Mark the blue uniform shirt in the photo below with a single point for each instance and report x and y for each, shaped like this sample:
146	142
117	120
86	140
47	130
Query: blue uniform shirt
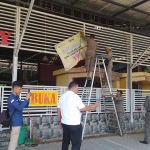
14	102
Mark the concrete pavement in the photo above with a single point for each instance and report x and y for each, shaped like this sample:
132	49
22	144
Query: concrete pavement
126	142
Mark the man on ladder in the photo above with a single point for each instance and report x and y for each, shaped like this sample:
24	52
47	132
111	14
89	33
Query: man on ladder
90	53
109	65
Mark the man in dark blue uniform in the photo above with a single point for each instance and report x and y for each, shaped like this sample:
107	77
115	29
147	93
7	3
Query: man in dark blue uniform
14	103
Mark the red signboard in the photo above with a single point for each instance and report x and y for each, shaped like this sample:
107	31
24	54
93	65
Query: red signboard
4	37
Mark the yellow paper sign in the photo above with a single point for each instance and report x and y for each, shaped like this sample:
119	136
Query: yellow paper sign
43	98
71	51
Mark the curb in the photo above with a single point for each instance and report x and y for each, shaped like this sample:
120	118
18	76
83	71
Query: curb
88	136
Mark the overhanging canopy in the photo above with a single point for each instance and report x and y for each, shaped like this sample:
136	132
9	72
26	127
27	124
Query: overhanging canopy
137	11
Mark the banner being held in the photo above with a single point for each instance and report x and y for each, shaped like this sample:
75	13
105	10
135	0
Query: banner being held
71	51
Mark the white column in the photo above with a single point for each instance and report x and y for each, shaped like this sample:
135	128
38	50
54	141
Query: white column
15	66
128	89
18	42
15	57
130	77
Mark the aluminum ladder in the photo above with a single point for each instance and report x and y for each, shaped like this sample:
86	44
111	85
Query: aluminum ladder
99	61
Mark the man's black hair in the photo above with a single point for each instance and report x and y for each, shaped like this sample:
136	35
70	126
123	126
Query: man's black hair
72	84
17	83
120	91
92	35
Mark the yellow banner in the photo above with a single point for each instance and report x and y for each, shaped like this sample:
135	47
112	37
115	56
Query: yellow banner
43	98
71	51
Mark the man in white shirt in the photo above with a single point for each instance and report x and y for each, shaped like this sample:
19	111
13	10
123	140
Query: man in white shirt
69	110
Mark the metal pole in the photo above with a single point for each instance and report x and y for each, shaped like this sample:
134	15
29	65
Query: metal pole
89	96
30	128
2	99
131	95
141	62
84	29
84	88
108	82
15	58
18	45
102	89
15	67
86	78
25	26
100	77
130	76
134	65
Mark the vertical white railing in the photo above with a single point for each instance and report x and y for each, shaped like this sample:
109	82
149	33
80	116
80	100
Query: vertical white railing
132	103
2	99
133	100
128	101
138	98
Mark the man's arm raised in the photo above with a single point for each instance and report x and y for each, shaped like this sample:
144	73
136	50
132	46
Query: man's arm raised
83	37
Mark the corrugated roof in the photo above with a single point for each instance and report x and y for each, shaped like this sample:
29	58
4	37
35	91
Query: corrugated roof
129	10
145	7
133	15
127	2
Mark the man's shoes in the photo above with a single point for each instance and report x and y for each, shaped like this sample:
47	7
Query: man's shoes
144	142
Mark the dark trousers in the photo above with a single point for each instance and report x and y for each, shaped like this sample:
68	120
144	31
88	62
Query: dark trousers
115	124
89	62
71	133
147	134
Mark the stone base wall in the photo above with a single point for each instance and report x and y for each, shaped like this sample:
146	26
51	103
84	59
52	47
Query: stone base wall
46	127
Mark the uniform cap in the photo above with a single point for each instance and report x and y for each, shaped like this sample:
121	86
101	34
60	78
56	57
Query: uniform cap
108	47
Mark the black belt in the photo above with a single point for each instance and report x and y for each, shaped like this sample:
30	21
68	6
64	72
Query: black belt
148	110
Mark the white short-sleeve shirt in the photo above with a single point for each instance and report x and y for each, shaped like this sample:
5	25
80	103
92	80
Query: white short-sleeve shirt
70	105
